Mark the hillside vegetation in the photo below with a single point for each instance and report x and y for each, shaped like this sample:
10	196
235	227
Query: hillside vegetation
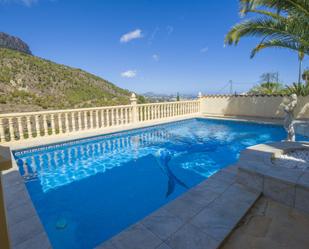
29	83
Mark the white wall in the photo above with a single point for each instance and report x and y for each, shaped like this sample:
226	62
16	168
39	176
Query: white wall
253	106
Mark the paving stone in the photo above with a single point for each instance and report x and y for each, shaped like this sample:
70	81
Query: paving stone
191	237
304	180
19	198
11	178
279	191
250	179
25	230
20	213
136	237
106	245
272	225
39	241
202	195
184	207
221	216
302	199
163	246
162	223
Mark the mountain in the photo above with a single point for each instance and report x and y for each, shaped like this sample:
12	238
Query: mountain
29	83
12	42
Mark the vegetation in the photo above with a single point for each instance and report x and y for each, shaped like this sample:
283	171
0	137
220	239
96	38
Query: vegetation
31	83
299	89
268	87
279	24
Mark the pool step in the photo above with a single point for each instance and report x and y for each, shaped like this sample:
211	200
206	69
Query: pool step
201	218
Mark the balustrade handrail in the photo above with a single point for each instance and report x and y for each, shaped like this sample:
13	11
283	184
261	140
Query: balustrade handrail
18	114
168	103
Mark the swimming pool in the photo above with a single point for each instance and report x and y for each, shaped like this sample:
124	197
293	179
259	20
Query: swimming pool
88	190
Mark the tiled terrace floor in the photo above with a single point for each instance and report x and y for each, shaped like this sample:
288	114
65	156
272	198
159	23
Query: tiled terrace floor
272	225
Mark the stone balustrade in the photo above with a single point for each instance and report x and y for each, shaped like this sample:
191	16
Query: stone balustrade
30	125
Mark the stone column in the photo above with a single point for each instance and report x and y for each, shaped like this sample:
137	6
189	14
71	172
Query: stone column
133	100
200	99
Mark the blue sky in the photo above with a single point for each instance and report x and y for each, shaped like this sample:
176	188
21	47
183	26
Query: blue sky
163	46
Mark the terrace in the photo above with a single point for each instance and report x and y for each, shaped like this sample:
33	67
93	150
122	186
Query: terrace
215	213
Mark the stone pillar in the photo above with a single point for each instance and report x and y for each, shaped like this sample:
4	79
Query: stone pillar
133	100
200	99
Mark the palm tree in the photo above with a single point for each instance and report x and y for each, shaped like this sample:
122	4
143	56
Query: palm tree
279	24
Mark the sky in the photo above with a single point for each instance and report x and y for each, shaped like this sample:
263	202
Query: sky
161	46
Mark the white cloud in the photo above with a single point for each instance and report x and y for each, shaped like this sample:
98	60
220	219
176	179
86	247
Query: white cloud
204	50
156	57
135	34
129	74
25	2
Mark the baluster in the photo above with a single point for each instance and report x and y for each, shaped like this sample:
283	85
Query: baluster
63	126
112	117
107	118
102	123
29	128
148	107
79	121
91	120
121	116
52	121
2	133
45	127
125	115
11	129
73	118
37	125
67	123
20	128
97	119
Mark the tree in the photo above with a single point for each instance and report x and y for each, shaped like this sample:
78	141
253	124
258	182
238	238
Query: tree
178	97
279	24
269	77
267	88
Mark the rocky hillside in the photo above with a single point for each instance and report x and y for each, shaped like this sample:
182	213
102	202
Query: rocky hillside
12	42
29	83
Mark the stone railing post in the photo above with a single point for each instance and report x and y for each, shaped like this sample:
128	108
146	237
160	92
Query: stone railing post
133	100
200	99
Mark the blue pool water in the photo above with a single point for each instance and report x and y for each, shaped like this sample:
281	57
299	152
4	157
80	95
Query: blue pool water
88	190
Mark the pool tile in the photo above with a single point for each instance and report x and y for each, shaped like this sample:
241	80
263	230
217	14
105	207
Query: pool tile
162	223
136	237
191	237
